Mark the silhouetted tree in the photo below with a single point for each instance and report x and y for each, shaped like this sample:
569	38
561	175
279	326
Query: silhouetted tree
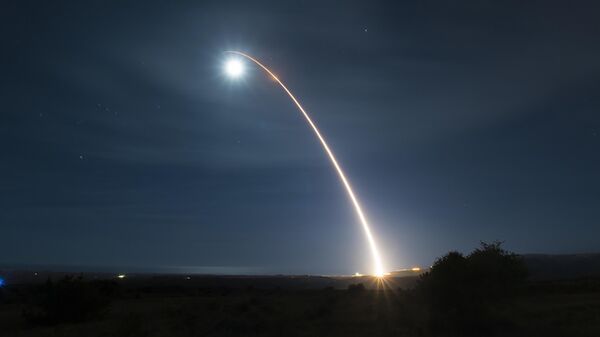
458	291
495	273
444	285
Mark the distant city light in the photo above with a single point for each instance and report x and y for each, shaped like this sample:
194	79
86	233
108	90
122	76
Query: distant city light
415	269
121	276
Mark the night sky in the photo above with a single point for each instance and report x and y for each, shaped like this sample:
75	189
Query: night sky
122	143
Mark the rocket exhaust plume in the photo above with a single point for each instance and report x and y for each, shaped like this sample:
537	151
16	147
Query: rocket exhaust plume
355	203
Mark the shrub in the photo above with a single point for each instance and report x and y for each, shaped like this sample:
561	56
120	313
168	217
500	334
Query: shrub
494	272
356	288
459	291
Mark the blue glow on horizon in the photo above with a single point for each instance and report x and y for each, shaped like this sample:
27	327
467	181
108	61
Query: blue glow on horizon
1	282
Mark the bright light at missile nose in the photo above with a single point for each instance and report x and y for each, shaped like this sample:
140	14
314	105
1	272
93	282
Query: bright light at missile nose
234	68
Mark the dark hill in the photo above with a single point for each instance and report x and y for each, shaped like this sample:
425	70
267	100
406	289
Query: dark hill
568	266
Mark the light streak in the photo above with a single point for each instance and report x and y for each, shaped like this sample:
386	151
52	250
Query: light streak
363	220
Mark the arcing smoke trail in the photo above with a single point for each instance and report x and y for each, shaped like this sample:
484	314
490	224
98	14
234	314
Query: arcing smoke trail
359	212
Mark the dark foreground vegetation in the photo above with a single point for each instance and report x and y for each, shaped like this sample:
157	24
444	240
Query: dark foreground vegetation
485	293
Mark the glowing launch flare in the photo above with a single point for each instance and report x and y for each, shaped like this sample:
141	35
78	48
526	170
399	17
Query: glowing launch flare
234	68
359	212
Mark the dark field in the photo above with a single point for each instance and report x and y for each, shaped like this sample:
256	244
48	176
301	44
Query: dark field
489	292
285	306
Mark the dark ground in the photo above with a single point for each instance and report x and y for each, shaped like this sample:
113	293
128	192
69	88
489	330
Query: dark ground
299	306
560	296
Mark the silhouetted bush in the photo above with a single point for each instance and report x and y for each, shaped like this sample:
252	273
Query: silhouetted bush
70	299
459	292
356	288
494	272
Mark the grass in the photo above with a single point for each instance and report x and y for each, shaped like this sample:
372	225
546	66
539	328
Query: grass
328	312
